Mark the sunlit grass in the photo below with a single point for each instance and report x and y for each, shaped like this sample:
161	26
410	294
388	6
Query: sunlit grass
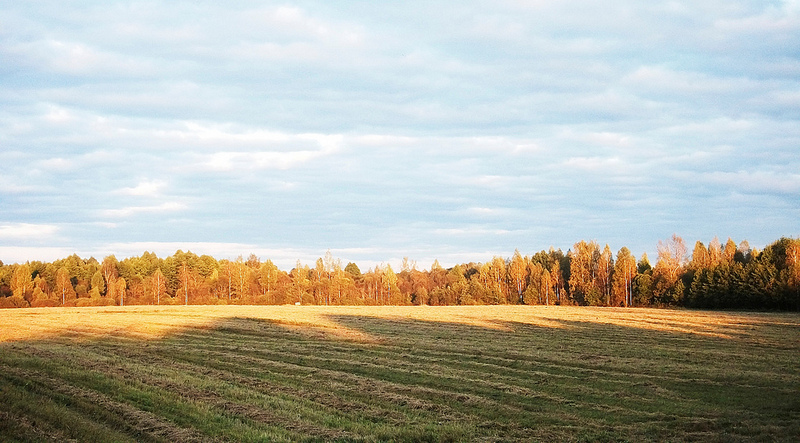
289	373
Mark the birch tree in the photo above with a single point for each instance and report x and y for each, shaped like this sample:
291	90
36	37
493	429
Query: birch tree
157	286
624	273
64	285
517	272
605	268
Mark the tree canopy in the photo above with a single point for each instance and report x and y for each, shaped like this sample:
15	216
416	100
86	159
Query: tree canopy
713	276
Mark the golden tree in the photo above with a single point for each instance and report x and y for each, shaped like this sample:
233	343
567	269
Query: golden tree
517	273
157	286
700	257
605	269
64	285
670	263
583	269
21	282
624	273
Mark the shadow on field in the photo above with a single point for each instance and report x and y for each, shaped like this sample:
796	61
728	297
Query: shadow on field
338	375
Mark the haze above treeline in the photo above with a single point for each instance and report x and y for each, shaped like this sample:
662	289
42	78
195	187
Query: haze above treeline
719	275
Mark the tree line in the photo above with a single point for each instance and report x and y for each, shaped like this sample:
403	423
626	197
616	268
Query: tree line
713	276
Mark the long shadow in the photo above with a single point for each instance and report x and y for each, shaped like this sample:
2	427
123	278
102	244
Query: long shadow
398	379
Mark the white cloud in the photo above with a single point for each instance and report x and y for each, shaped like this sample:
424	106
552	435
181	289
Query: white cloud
297	22
57	164
23	254
27	231
470	231
488	212
596	164
8	185
662	80
755	181
134	210
771	20
76	58
248	161
146	188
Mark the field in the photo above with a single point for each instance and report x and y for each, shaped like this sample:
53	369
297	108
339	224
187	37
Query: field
493	373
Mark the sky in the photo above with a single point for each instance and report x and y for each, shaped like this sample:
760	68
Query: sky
455	131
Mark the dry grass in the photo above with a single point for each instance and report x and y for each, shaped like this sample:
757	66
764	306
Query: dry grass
288	373
154	322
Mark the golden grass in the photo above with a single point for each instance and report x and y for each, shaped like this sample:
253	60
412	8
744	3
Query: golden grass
155	322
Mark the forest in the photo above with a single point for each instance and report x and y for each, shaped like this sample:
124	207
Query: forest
716	276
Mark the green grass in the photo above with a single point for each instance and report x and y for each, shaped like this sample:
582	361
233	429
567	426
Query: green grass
254	379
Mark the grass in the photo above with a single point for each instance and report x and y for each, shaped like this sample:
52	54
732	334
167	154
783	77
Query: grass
303	373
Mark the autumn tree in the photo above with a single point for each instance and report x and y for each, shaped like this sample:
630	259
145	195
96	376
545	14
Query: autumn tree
456	290
342	285
64	287
557	280
499	282
110	272
517	272
393	295
671	258
253	262
187	281
39	296
793	269
547	285
583	271
120	288
318	280
490	281
353	270
531	295
242	277
267	277
744	253
605	269
714	252
157	285
700	257
729	253
22	284
299	281
624	273
225	278
98	285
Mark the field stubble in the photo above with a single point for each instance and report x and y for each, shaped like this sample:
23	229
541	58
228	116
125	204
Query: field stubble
491	373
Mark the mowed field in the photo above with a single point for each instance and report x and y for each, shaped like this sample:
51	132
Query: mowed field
307	373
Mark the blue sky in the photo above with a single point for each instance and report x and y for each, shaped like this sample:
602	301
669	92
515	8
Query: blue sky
434	130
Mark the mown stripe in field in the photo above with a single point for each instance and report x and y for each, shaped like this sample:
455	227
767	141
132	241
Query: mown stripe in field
146	397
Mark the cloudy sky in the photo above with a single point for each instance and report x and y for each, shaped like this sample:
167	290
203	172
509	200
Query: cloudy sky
378	130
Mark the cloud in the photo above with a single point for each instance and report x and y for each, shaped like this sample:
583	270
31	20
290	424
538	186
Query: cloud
10	186
760	182
135	210
57	164
27	231
23	254
146	188
76	58
470	231
390	131
662	80
595	164
247	161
